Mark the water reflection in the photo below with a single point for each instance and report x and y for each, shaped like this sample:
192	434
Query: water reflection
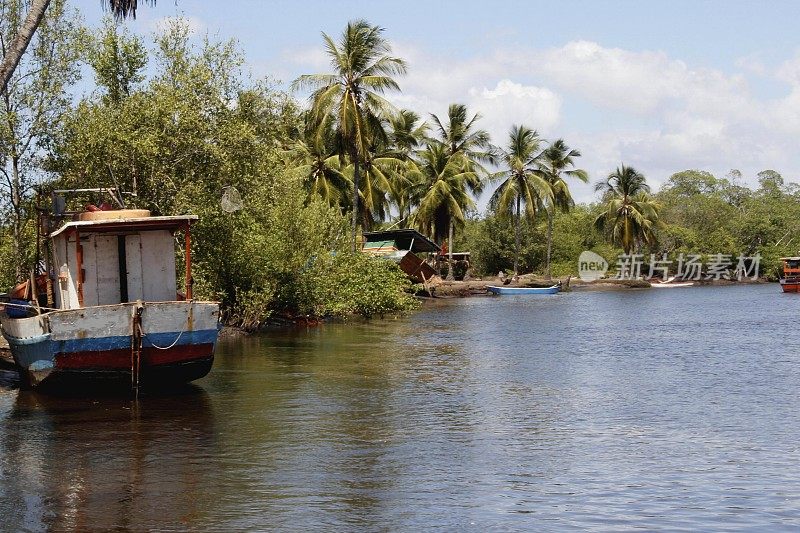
593	411
103	463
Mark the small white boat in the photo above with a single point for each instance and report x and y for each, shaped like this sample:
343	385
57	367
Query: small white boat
670	283
518	291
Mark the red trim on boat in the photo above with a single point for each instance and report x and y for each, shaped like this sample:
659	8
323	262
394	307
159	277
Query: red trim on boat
121	359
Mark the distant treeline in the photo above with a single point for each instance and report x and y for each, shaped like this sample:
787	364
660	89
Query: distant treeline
180	123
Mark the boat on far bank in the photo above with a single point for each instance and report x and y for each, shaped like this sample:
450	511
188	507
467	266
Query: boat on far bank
790	280
670	284
520	291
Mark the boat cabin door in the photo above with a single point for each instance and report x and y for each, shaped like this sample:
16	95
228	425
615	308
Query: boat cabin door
149	266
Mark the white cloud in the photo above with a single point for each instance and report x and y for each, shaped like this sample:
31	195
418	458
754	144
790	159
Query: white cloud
645	108
752	63
513	103
196	25
313	58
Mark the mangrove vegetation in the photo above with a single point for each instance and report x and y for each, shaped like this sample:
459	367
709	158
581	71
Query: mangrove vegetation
180	124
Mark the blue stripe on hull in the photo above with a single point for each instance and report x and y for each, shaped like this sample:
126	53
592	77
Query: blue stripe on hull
120	342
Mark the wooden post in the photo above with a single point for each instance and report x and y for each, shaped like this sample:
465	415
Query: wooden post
188	251
79	259
136	348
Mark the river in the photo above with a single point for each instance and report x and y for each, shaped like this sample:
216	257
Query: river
671	408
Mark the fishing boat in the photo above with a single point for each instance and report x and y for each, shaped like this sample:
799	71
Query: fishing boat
670	283
790	280
105	306
519	291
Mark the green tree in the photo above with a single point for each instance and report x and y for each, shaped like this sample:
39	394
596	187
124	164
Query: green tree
557	162
362	71
26	28
315	158
406	133
630	214
197	126
770	183
118	60
193	129
492	244
459	134
31	112
381	166
522	186
442	188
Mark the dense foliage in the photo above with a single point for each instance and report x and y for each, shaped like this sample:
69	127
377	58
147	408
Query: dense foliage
182	136
698	214
181	125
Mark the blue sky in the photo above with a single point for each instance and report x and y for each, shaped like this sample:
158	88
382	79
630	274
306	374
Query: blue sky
661	86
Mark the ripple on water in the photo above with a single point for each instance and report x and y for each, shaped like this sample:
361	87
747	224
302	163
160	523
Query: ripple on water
601	411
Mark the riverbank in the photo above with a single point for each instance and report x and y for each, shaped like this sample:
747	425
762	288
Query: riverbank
479	287
442	289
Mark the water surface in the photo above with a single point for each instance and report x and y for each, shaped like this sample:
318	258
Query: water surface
674	409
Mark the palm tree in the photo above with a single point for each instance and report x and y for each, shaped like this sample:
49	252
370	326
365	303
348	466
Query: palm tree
522	186
630	214
458	134
379	167
406	134
554	166
362	72
316	159
13	54
441	185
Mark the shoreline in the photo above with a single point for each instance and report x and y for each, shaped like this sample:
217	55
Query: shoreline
442	290
478	287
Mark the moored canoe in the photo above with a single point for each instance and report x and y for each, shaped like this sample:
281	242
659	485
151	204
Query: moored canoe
519	291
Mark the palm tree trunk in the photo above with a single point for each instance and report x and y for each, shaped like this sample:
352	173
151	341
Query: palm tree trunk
517	238
549	240
356	180
450	276
16	49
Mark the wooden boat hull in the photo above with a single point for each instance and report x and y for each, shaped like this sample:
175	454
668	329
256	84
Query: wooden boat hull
790	285
520	291
95	344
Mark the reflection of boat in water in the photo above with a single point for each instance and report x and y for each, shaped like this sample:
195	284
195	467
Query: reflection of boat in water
670	283
106	307
790	280
106	462
519	291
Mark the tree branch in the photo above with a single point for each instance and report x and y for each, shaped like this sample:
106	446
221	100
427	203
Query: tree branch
21	41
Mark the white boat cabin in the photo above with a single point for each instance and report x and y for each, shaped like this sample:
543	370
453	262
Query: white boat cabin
114	260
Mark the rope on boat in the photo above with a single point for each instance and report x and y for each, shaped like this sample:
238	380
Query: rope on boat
31	306
154	345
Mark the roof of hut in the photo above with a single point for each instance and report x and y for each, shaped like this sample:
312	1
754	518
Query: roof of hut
404	239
